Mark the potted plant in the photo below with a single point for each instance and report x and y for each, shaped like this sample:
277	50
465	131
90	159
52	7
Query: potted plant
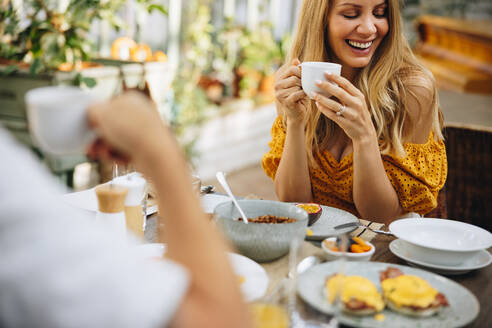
260	57
46	43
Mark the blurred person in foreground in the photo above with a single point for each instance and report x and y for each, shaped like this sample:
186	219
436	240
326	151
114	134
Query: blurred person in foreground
59	269
375	148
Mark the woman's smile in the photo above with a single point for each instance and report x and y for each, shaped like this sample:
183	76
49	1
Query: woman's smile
356	30
362	48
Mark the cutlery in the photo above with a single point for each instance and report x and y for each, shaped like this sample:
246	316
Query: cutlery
358	224
207	189
222	180
305	264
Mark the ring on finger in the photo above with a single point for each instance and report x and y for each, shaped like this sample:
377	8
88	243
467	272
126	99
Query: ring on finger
342	109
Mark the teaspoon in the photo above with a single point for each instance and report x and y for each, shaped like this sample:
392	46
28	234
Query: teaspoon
222	180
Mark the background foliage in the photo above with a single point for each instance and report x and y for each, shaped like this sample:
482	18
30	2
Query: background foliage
48	33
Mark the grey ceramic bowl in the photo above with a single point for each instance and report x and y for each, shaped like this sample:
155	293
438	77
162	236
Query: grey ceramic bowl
261	242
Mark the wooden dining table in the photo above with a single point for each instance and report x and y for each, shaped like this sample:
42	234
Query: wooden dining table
479	282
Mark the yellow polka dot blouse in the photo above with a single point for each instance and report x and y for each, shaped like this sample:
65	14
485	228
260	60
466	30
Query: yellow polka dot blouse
417	178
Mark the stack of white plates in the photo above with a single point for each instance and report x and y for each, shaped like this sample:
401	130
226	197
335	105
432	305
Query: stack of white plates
443	246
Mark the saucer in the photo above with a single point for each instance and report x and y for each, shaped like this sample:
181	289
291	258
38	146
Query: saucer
481	260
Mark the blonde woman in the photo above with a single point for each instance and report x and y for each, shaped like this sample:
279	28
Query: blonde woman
375	148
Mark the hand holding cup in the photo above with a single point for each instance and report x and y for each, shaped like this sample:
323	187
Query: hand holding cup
290	99
314	71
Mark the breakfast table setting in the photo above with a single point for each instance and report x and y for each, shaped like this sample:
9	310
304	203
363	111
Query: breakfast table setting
297	264
474	277
292	275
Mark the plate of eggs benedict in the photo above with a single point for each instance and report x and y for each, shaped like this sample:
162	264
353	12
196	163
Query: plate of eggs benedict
409	294
373	294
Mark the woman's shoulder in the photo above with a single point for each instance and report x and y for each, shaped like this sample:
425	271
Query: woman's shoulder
419	95
420	100
416	76
418	89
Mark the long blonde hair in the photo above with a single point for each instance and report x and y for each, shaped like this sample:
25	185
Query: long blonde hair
384	83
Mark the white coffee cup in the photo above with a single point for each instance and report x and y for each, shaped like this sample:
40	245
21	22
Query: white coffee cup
312	71
57	119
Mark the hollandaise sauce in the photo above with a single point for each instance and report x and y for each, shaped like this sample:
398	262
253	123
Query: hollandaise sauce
409	290
379	317
356	287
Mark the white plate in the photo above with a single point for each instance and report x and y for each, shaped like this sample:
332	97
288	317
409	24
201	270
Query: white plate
255	277
441	234
463	307
331	217
481	260
87	200
152	250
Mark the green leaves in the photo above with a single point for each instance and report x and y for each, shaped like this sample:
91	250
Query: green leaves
9	70
36	66
53	34
150	6
260	51
80	80
88	81
159	8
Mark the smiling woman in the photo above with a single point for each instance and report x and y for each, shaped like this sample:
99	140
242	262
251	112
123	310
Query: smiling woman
355	31
375	148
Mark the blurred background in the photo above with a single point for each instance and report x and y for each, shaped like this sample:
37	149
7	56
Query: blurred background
209	66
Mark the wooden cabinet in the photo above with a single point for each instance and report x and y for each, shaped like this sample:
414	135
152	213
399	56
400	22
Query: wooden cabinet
458	52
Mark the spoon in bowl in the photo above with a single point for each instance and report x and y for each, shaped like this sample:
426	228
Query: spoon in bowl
222	180
307	262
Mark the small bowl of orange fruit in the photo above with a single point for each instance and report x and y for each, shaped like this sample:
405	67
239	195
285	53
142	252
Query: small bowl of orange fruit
357	249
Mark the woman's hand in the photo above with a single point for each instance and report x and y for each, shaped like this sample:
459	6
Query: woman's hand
289	94
350	112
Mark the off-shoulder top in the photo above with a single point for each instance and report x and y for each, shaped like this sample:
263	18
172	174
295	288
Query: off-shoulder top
417	178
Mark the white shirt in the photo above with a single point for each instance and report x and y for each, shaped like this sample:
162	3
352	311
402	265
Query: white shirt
59	269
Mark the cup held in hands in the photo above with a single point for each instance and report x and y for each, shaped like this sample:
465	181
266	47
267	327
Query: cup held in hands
57	119
312	71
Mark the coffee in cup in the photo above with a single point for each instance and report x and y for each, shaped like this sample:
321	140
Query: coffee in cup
57	119
312	71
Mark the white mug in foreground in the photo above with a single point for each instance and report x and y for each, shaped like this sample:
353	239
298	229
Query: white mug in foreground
312	71
57	119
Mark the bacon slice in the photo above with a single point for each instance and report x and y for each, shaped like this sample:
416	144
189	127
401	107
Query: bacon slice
441	300
357	305
390	273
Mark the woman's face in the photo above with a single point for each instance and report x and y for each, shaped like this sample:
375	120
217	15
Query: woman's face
356	28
